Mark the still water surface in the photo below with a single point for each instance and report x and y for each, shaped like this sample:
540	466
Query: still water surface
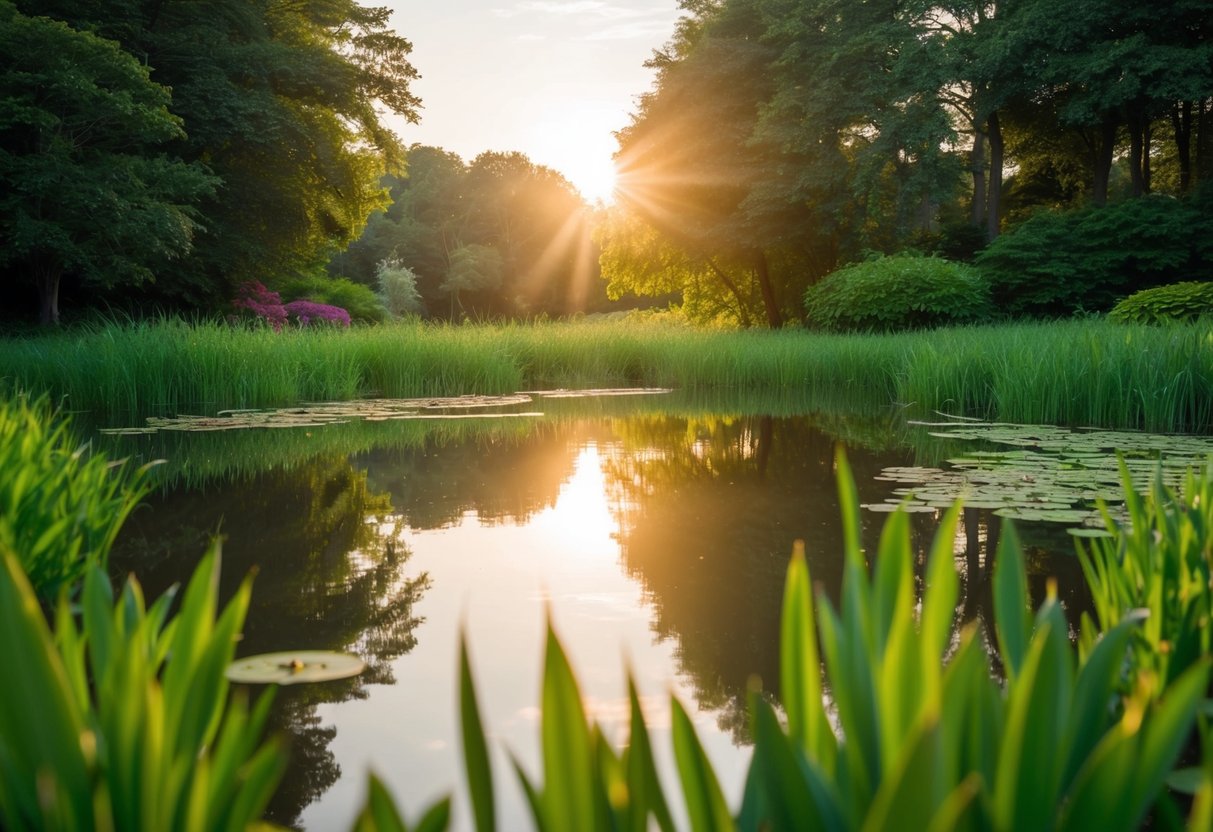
655	541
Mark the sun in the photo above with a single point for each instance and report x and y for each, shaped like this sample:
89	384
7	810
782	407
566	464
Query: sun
594	178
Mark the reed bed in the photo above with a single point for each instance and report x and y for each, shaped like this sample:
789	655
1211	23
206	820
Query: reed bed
1088	372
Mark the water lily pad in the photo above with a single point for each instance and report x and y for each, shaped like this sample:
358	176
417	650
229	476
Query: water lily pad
294	667
1090	532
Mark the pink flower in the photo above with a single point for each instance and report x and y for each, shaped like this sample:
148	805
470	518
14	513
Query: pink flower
306	311
263	303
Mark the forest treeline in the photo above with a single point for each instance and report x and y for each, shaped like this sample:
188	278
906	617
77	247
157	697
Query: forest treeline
784	138
160	154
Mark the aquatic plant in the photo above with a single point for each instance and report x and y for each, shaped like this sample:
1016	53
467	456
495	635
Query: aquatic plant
60	504
121	719
1159	560
1090	372
906	728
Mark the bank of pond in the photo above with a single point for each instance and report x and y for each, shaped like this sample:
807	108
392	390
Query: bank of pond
576	610
1078	373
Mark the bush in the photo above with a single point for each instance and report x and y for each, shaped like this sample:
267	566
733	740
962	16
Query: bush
901	292
1178	302
398	288
1062	263
360	301
60	506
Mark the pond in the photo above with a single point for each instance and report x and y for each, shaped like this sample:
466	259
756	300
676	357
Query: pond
652	530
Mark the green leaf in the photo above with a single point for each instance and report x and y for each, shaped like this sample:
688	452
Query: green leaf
706	806
800	666
1011	618
644	786
475	749
568	760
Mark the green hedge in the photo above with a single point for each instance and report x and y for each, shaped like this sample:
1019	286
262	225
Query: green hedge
1184	302
897	293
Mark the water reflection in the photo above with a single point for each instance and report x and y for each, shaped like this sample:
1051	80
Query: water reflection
659	539
331	574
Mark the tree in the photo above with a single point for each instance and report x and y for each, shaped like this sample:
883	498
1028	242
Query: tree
278	99
88	186
398	288
686	162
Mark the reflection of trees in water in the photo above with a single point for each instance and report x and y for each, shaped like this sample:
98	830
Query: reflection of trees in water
709	511
330	575
501	478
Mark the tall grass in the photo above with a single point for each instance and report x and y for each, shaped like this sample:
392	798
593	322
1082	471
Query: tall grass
1076	372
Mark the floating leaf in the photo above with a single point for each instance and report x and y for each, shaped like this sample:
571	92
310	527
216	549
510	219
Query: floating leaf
294	667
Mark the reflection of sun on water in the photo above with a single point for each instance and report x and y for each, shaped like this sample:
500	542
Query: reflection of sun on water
581	518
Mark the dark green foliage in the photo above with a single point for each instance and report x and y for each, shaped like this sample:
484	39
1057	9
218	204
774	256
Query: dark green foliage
1185	301
1061	263
88	188
360	301
897	293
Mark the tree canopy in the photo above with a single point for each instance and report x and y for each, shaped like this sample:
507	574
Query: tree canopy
277	101
784	138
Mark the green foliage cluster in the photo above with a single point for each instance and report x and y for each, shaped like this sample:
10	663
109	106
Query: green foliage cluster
363	304
1159	561
898	293
499	237
243	141
1185	301
121	719
60	504
398	288
784	137
1061	263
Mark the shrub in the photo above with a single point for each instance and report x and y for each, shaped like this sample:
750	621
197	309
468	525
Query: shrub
262	303
1061	263
901	292
60	505
307	312
398	288
1164	304
360	301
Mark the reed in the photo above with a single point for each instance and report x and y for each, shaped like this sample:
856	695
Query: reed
1087	372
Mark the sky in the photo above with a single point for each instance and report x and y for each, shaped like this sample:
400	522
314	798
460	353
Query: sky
550	78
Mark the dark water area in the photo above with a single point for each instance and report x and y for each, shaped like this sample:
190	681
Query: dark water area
655	539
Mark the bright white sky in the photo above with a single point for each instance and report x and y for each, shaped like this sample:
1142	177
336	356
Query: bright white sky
550	78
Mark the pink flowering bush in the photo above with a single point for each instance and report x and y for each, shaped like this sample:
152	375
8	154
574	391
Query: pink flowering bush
306	312
263	303
268	306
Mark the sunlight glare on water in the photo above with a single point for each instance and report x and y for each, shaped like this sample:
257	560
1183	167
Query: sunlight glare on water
498	582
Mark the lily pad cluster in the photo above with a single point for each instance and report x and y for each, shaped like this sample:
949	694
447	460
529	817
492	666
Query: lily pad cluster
1041	473
319	414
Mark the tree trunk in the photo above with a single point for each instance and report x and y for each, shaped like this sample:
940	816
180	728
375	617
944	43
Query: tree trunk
763	273
1181	121
1147	139
977	164
743	314
1103	162
994	197
47	278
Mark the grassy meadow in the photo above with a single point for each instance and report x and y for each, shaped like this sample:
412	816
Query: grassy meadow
1085	372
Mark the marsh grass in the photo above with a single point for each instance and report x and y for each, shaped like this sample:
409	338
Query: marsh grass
1088	372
